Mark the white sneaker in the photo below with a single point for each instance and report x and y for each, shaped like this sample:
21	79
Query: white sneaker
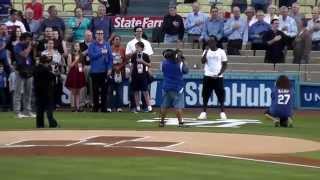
20	116
223	116
138	108
202	116
119	110
109	110
149	108
32	115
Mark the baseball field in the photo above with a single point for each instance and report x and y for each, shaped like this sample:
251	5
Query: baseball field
132	146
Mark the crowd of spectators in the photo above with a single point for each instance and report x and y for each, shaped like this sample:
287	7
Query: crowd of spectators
96	66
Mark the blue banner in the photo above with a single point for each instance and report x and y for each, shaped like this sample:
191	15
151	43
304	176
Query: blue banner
310	95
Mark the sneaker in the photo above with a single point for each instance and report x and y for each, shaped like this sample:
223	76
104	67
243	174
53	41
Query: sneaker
138	109
162	123
275	120
223	116
31	115
276	123
202	116
150	108
20	116
119	110
109	110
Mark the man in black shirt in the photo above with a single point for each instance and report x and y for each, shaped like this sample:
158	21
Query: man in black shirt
275	41
44	81
173	27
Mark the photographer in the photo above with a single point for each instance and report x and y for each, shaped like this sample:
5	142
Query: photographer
24	66
173	68
44	82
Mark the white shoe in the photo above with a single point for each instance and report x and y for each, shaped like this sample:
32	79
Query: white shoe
138	108
20	116
109	110
149	108
119	110
223	116
202	116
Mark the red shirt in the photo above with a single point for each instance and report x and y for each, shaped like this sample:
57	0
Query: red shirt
37	9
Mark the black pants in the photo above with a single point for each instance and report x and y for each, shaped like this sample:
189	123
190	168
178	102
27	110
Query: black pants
99	88
234	47
45	104
210	84
58	91
3	98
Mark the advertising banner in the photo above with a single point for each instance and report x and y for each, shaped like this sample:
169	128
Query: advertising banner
310	95
132	21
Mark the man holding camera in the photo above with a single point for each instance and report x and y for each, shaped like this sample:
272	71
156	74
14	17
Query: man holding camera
173	68
44	86
24	68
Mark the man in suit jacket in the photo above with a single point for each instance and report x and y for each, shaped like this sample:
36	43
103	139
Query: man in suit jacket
302	45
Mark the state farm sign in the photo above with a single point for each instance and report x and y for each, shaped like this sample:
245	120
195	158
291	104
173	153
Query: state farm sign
132	21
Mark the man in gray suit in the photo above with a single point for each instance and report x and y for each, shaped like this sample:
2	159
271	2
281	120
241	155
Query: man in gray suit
302	44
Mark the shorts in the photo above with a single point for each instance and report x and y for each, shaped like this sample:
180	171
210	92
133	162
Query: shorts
172	99
139	84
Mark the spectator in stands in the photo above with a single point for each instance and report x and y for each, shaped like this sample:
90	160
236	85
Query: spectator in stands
213	27
173	27
86	93
85	5
302	44
194	23
53	21
4	37
3	87
296	15
76	77
131	48
58	69
236	30
275	41
78	24
33	24
241	4
37	8
251	15
257	30
140	67
100	54
112	6
13	22
260	4
24	80
104	22
13	41
286	3
59	43
5	6
288	26
215	64
314	28
42	44
271	14
118	74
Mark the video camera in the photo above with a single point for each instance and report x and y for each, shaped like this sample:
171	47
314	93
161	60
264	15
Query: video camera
175	55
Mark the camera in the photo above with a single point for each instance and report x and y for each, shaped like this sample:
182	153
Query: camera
175	55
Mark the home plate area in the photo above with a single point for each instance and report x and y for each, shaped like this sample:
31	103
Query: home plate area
93	146
191	122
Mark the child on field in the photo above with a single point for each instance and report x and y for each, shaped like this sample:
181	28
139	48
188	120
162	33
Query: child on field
281	108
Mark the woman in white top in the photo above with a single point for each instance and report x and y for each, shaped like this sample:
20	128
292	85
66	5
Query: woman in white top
215	64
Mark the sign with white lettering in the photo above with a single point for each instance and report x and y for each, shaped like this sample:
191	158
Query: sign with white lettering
132	21
310	95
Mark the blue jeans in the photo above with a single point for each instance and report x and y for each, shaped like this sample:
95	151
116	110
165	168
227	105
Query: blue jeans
172	99
170	38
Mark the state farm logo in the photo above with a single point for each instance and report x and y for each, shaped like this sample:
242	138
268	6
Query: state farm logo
132	21
191	122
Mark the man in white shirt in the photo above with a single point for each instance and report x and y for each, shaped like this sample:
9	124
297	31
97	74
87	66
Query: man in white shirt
215	64
13	22
131	48
288	25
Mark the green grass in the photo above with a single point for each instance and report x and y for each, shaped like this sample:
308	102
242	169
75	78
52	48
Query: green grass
188	168
191	168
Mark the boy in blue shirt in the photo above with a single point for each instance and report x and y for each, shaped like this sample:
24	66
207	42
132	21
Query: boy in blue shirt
173	68
281	108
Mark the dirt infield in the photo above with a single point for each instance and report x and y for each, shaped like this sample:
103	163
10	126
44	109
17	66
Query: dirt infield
148	143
